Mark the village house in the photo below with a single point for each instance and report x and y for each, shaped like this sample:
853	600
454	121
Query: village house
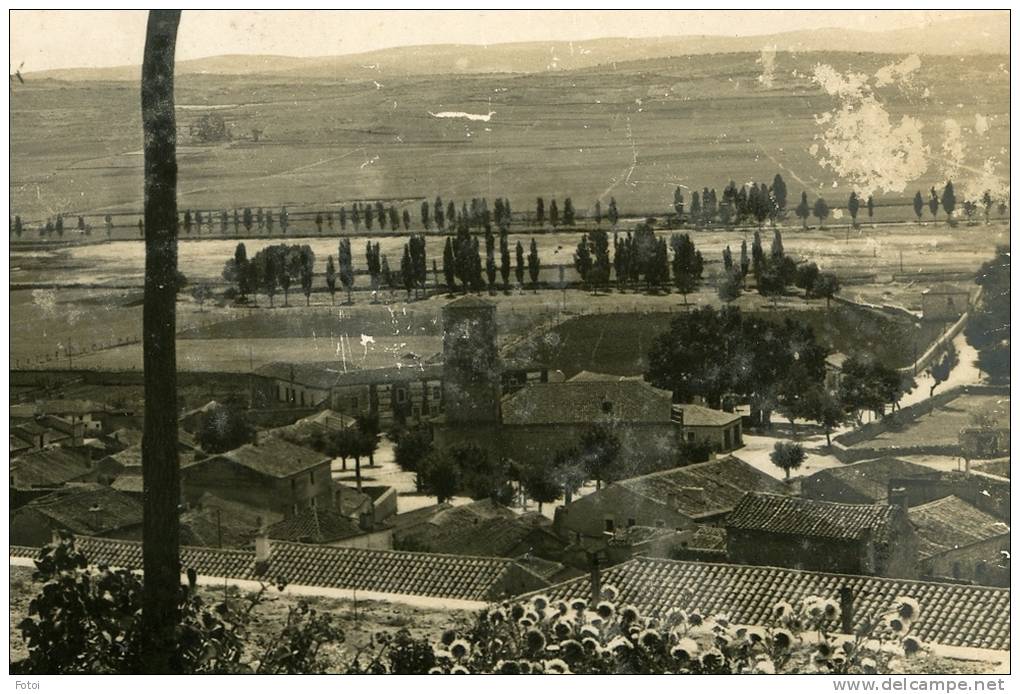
327	526
404	393
49	468
721	431
482	528
945	302
676	499
957	616
865	539
834	371
544	415
272	474
860	483
958	542
91	415
82	509
988	493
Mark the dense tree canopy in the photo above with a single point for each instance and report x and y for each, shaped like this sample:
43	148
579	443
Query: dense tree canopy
713	354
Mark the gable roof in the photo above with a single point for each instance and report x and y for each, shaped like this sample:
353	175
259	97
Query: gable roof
583	402
273	457
476	579
698	416
318	525
89	509
951	523
786	515
704	489
481	528
870	478
48	467
950	615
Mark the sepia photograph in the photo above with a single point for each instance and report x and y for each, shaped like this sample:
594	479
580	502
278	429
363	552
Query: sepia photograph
509	342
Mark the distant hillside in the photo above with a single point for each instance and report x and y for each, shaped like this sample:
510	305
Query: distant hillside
971	35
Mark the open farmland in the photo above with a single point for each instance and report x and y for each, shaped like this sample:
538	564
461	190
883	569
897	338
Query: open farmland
850	253
634	131
618	343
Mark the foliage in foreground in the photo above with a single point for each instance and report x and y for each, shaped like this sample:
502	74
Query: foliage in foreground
87	620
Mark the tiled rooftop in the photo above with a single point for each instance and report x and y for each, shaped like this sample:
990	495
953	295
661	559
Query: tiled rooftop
480	528
384	571
787	515
88	508
48	467
950	615
273	457
698	416
587	401
871	478
315	525
951	523
703	489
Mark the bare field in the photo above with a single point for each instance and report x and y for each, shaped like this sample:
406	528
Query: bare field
633	130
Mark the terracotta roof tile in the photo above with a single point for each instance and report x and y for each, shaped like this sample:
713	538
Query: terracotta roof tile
950	615
703	489
587	402
272	456
403	573
871	478
787	515
951	523
698	416
48	467
88	508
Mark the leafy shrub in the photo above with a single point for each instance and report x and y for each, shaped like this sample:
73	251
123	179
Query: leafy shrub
88	621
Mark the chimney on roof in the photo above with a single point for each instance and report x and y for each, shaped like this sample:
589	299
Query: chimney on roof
846	609
596	579
263	549
898	497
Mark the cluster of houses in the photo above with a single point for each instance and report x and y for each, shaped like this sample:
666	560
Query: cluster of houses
272	506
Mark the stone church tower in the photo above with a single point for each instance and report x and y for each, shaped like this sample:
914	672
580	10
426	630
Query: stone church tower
471	366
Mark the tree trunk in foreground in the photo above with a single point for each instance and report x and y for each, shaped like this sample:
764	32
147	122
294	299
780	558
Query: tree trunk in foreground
160	473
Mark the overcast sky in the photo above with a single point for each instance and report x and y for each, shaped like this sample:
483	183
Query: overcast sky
58	39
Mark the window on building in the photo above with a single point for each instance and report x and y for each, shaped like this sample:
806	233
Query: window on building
302	398
437	393
311	476
607	407
660	524
293	484
956	569
631	522
311	502
690	436
610	525
401	396
354	404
